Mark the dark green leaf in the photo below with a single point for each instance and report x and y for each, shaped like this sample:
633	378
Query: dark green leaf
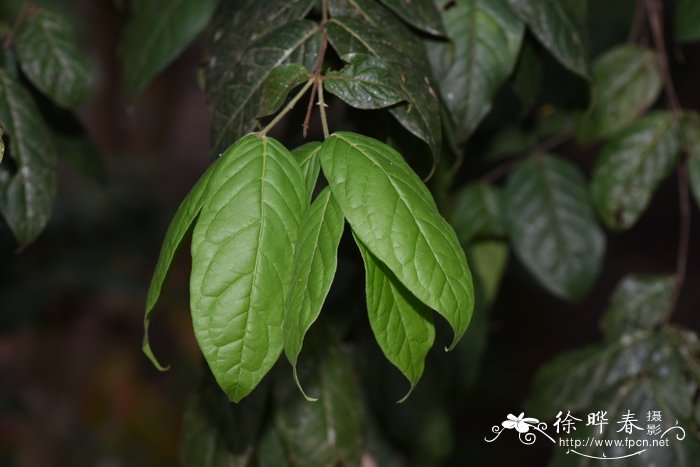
279	82
527	79
420	116
631	166
179	226
217	433
315	261
485	38
327	432
239	104
157	33
393	214
560	26
307	157
639	302
402	325
423	14
691	146
366	83
478	213
242	261
626	82
47	48
552	226
488	260
687	21
27	195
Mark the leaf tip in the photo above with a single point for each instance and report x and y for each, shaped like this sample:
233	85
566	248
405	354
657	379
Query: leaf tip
408	394
298	383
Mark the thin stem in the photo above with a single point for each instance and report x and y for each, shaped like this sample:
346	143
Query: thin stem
290	105
317	75
499	171
21	16
554	141
322	110
637	23
310	107
656	16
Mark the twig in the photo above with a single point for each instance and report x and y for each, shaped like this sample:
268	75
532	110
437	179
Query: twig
21	16
499	171
554	141
637	23
318	78
290	105
322	110
655	10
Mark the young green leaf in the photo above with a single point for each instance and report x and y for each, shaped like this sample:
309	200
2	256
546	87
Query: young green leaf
242	260
393	214
560	27
687	21
27	195
315	261
402	325
485	38
238	108
691	146
422	14
631	166
365	83
307	158
157	33
181	223
478	213
552	225
626	82
48	52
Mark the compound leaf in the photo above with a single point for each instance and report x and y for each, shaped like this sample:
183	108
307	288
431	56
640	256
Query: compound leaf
242	261
393	214
552	225
47	47
26	195
157	33
631	166
315	261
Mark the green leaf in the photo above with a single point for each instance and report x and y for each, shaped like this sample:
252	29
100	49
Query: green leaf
393	214
365	83
560	26
178	228
236	25
327	432
307	157
26	195
631	166
638	302
402	325
488	261
238	108
552	226
687	21
691	146
217	433
626	82
421	14
242	260
485	38
278	84
157	33
527	78
478	213
48	52
315	261
420	116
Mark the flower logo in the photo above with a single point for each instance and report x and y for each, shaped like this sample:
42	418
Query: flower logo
520	423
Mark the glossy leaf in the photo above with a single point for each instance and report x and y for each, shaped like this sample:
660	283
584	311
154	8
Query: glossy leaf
402	325
560	26
178	228
48	52
327	432
157	33
26	195
242	257
393	214
552	226
478	213
485	38
687	21
365	83
306	156
631	166
691	146
638	302
315	261
239	105
422	14
420	116
279	82
626	82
